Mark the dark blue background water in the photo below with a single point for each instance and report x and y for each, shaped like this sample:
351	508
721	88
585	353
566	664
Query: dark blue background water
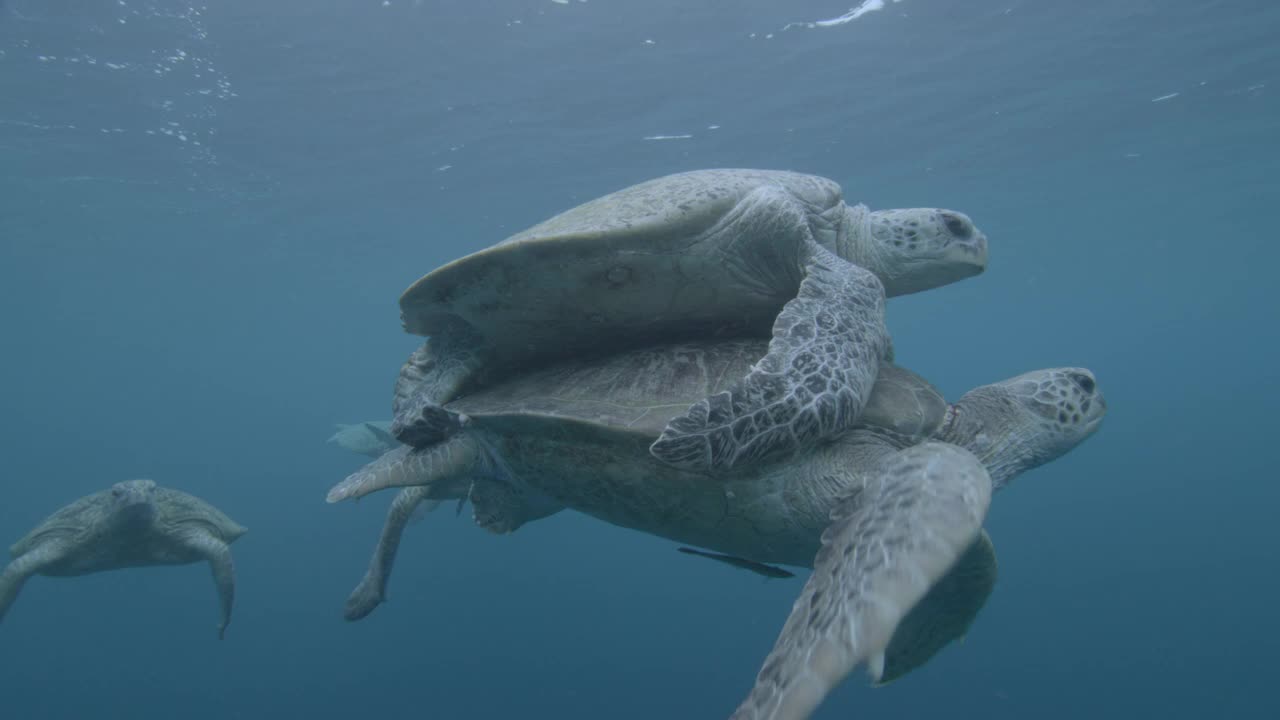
208	213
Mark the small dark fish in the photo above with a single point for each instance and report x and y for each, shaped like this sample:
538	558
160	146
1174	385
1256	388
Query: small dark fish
755	567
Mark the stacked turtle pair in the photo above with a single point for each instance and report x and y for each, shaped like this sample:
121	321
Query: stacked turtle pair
704	357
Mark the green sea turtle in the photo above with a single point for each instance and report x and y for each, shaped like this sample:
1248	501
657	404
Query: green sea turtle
131	524
910	484
708	253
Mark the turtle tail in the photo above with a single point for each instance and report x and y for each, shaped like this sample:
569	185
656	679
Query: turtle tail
457	457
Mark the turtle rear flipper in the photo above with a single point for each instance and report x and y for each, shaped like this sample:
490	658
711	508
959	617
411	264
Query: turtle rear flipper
828	343
887	545
456	457
503	507
432	376
372	590
500	507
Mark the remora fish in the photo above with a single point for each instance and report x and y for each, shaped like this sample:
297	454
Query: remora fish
753	566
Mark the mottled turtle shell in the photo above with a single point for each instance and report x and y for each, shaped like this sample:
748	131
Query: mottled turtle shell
526	290
634	394
179	508
173	508
67	522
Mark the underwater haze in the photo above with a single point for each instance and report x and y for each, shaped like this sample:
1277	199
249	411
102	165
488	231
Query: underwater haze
208	213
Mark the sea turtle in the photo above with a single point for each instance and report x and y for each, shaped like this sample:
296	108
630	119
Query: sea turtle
900	401
134	523
709	253
911	484
372	437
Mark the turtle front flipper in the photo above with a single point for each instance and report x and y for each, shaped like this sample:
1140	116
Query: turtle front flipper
888	544
432	376
218	554
372	590
828	343
24	566
945	613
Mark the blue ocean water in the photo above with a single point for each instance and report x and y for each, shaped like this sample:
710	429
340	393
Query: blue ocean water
207	214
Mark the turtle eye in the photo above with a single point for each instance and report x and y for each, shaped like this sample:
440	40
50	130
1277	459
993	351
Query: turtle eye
957	226
1084	381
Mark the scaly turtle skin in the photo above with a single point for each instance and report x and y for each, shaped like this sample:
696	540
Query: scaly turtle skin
710	253
914	487
132	524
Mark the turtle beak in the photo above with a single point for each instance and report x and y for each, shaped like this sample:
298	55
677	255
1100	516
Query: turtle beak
969	253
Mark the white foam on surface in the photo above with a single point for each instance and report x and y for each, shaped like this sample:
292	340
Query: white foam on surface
867	6
180	68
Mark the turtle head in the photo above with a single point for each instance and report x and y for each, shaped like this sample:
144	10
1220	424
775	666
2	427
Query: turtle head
916	249
1026	421
132	501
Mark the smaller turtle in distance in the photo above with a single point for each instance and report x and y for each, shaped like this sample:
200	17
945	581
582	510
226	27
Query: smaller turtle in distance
134	523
